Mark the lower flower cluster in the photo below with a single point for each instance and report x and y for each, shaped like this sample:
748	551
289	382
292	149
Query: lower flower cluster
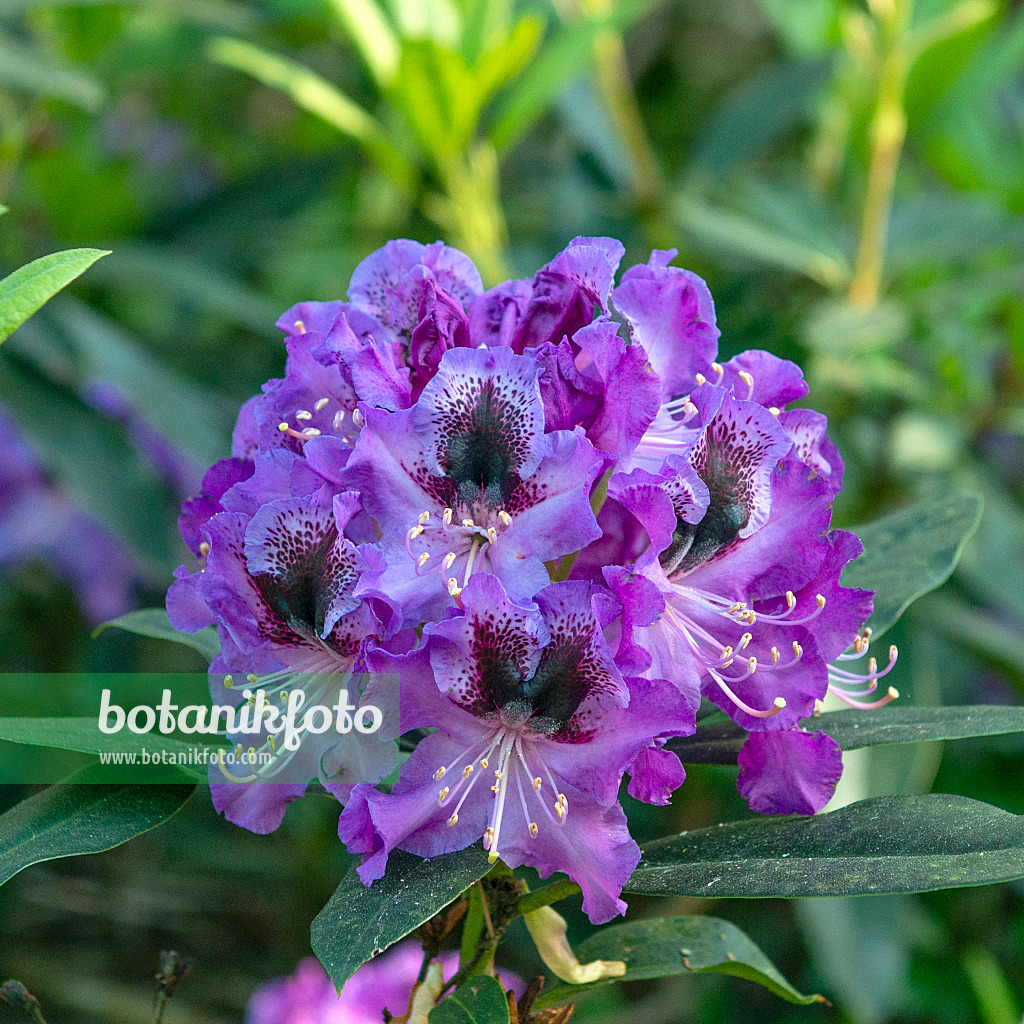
562	524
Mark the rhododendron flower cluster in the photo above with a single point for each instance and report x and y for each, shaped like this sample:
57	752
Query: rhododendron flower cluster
562	523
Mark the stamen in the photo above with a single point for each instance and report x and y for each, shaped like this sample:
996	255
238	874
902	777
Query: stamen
423	517
453	820
204	549
443	795
504	517
300	327
358	418
415	532
891	695
492	535
533	830
701	379
536	784
717	367
422	560
321	402
252	677
467	771
780	702
311	432
440	773
229	681
339	419
775	411
446	516
303	414
469	523
448	561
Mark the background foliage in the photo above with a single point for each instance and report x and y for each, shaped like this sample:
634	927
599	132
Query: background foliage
848	177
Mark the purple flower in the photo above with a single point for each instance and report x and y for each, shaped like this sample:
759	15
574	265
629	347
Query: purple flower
467	480
527	698
382	984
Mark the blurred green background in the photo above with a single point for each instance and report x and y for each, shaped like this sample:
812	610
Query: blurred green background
847	176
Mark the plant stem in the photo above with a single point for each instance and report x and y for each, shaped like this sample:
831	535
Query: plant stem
888	132
547	895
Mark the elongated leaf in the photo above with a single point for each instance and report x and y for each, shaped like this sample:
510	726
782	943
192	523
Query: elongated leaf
359	922
480	1001
155	623
564	58
78	817
28	69
911	552
83	735
739	233
668	946
24	291
313	93
93	461
883	845
720	742
367	27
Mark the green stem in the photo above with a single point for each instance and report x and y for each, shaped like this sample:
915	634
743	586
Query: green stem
546	896
888	132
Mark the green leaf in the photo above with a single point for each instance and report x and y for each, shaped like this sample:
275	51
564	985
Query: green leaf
373	37
481	1000
740	233
911	552
720	742
79	816
359	922
24	291
565	57
83	735
28	69
155	623
883	845
90	457
313	93
668	946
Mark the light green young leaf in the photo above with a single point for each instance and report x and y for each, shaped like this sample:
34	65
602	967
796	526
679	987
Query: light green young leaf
29	287
155	623
80	816
316	95
373	37
668	946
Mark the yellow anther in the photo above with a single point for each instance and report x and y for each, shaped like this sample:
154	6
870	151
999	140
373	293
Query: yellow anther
497	774
252	677
893	692
204	549
505	517
798	651
439	774
284	696
820	600
321	402
750	618
745	640
311	432
300	327
746	378
893	652
251	752
238	750
358	418
533	829
536	784
484	762
303	414
790	599
469	523
751	664
558	809
453	586
424	516
872	666
488	836
449	561
495	789
443	795
775	411
819	706
453	820
701	379
733	609
422	560
415	532
689	408
446	516
467	771
229	681
717	367
492	535
272	741
775	655
726	652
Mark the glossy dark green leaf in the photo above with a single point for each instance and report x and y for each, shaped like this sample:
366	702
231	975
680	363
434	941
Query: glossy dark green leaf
360	921
155	623
84	736
886	844
24	291
912	551
667	946
480	1001
79	816
720	742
